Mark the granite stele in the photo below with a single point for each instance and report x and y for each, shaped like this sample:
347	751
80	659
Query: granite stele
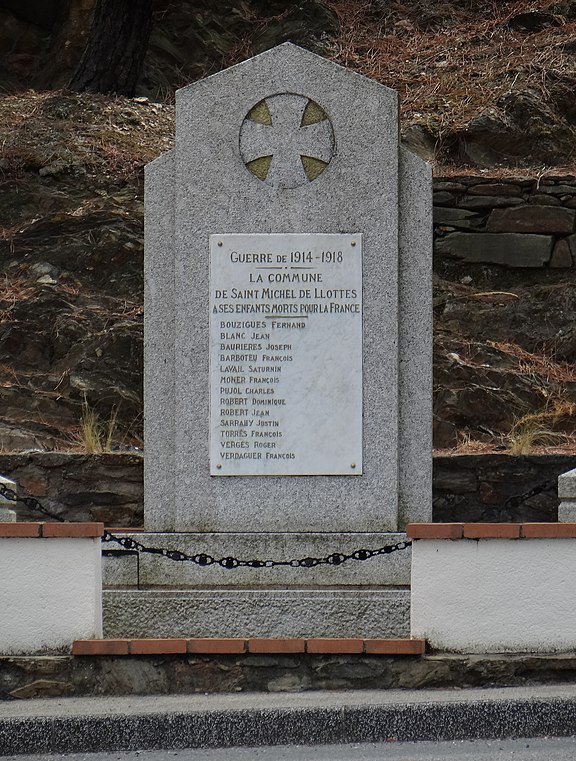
287	359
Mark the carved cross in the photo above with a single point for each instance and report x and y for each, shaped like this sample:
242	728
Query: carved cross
287	140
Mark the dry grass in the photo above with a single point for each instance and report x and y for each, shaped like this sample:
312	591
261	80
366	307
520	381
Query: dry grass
13	290
81	133
96	436
543	429
555	425
455	70
551	429
450	62
538	366
469	445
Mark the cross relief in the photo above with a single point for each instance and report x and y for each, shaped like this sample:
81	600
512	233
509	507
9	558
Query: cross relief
286	140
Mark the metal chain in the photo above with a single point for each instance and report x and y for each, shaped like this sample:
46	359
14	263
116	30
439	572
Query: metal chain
202	559
30	502
513	502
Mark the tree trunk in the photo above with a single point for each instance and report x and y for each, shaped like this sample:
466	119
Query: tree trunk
116	47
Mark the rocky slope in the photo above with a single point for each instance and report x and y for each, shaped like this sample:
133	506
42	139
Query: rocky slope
71	250
487	93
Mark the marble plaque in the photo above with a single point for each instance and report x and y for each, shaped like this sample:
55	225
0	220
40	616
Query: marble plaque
285	354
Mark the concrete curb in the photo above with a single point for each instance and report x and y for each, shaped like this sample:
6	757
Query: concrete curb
255	720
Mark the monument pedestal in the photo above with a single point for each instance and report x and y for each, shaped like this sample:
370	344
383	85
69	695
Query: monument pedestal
246	613
148	595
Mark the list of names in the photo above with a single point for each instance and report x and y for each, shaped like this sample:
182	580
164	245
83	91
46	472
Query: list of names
285	354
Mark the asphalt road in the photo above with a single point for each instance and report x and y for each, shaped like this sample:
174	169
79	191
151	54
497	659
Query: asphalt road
525	749
443	719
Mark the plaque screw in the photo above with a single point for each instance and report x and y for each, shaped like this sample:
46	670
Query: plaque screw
219	242
353	243
352	466
218	467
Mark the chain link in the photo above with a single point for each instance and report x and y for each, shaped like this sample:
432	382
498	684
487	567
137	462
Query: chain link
512	503
30	502
202	559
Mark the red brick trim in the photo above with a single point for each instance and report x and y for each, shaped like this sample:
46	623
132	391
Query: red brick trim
72	530
157	646
395	646
52	530
101	647
491	530
328	646
10	530
217	646
276	645
222	646
549	530
435	530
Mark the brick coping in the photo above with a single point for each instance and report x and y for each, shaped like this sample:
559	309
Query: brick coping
491	530
413	530
51	530
221	646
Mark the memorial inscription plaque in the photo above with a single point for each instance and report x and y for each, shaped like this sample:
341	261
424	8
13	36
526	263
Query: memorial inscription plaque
285	354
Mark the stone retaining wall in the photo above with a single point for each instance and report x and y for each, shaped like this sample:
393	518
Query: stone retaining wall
24	677
477	487
514	223
108	488
105	488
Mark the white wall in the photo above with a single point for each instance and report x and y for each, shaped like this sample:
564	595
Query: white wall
495	595
50	593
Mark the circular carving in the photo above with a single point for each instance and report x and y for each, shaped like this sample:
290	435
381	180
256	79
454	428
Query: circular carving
286	140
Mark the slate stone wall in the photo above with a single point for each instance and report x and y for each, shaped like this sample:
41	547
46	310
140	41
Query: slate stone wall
108	488
483	487
105	488
25	677
513	223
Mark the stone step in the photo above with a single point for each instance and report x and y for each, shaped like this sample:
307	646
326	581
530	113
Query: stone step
364	613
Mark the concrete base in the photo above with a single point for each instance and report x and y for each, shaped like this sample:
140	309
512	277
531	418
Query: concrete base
363	613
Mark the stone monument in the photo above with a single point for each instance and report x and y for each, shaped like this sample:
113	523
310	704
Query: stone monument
287	357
